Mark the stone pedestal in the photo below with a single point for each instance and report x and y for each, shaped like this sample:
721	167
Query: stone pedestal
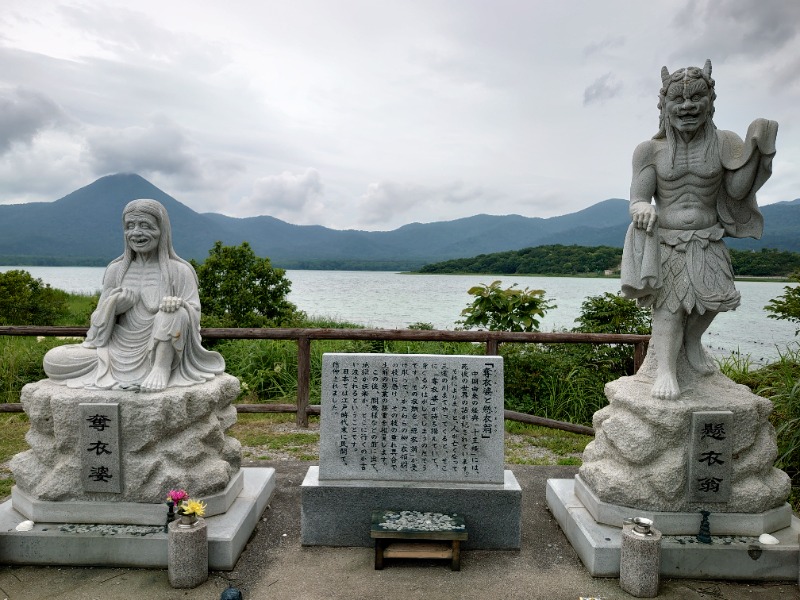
640	456
170	439
641	463
135	546
187	554
492	511
735	557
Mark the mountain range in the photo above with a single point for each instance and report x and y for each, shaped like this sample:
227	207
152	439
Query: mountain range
84	227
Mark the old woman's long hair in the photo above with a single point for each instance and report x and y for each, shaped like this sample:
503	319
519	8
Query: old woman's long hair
165	250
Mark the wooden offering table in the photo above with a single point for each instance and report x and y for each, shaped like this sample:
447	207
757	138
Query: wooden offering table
413	534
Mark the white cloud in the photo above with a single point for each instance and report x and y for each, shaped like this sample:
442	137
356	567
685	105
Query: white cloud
290	196
48	168
388	201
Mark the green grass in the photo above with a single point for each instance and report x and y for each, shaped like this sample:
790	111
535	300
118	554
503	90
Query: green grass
14	427
559	442
21	357
258	430
79	310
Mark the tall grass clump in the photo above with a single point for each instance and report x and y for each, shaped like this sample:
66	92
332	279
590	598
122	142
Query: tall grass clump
558	381
780	382
21	363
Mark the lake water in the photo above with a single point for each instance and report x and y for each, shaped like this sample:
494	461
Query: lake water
393	300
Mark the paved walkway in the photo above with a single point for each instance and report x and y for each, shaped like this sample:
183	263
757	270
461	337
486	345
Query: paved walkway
275	566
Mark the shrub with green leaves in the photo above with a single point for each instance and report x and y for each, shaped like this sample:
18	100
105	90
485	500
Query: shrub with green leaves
610	313
787	305
240	289
507	309
25	300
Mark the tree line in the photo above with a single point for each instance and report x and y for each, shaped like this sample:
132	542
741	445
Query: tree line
597	260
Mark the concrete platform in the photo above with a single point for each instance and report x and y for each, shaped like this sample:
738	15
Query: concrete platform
275	566
681	523
730	557
129	513
131	545
338	513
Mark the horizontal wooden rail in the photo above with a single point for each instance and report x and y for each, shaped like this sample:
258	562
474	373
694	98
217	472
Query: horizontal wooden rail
421	335
304	336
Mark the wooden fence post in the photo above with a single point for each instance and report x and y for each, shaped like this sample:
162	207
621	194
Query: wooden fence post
303	379
492	348
639	352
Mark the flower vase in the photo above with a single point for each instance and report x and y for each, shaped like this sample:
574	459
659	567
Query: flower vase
188	520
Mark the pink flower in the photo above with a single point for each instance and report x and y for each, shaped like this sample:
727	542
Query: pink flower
177	496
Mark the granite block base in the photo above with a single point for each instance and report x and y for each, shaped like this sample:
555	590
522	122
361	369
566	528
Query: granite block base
736	557
135	546
683	523
338	513
128	513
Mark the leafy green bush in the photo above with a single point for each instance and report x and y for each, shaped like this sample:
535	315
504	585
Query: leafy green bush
787	305
613	313
240	289
505	309
28	301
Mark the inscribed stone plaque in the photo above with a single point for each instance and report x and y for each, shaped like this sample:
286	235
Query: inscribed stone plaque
99	424
710	456
412	417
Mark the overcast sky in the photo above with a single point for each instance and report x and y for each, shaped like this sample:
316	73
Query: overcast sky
371	114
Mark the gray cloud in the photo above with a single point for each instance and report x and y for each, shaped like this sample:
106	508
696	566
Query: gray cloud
24	113
603	88
159	147
732	28
415	92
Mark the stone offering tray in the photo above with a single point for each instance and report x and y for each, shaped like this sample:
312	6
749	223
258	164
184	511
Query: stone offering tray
423	534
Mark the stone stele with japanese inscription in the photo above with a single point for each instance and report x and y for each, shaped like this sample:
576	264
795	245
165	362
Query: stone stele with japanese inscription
412	418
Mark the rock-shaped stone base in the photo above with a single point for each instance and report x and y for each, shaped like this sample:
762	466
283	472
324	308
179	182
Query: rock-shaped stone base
170	439
639	457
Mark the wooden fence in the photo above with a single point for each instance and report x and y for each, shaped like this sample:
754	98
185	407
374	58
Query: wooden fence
304	337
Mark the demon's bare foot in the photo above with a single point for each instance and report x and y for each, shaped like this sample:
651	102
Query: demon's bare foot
665	387
700	360
157	380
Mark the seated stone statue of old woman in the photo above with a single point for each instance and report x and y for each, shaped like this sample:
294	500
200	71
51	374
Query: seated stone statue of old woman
145	332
